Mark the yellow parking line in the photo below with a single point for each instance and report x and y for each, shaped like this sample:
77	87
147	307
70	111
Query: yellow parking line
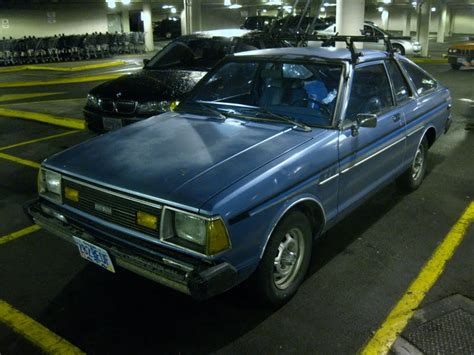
80	79
430	61
45	118
14	97
15	235
37	140
398	318
63	69
37	334
44	101
29	163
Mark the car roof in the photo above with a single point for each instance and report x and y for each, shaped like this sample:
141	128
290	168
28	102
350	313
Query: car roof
290	53
230	32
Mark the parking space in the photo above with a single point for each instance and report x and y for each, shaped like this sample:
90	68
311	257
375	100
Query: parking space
359	271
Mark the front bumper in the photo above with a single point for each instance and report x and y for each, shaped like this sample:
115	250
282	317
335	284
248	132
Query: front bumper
95	119
195	278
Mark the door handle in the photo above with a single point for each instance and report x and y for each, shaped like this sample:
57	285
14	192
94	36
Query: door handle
396	117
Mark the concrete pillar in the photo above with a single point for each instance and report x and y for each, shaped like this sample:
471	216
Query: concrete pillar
423	26
147	26
451	22
125	21
442	23
349	19
196	15
407	28
384	16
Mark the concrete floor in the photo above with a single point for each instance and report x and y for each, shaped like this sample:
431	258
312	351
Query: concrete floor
359	271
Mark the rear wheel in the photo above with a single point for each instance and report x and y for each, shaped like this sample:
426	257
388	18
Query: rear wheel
398	48
413	176
285	261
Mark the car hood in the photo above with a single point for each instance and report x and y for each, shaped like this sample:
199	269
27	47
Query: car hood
150	85
177	158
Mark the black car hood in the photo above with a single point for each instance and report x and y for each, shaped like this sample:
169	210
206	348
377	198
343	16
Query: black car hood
150	85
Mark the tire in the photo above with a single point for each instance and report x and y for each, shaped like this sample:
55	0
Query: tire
456	66
399	49
412	178
285	261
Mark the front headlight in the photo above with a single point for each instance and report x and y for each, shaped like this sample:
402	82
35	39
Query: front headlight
49	185
151	107
92	100
194	232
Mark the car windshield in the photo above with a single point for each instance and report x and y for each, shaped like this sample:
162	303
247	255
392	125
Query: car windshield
304	93
191	54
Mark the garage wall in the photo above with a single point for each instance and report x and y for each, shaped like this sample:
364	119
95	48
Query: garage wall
219	18
463	22
50	20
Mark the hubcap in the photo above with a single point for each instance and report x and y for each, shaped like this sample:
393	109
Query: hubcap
417	166
288	259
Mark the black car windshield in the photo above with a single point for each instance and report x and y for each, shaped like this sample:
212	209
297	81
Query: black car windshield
191	54
306	93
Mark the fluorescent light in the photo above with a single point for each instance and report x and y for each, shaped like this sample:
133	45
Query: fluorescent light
326	4
173	10
126	2
166	7
322	9
111	4
235	6
264	10
227	3
433	9
387	1
380	8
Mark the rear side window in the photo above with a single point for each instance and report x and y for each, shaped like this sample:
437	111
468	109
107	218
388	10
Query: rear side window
400	85
370	91
422	81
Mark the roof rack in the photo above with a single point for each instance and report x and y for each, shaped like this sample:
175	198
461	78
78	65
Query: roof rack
301	40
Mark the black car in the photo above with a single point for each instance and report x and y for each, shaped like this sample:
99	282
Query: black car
167	77
168	28
258	22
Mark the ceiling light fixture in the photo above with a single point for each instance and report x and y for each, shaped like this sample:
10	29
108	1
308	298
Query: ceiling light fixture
111	4
433	9
380	8
126	2
235	6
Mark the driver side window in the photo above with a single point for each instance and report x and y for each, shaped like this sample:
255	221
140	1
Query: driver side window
370	92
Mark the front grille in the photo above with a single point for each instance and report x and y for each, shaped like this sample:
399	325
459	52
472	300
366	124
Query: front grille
126	107
110	206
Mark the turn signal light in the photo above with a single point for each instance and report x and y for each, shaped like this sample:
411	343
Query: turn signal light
147	220
71	194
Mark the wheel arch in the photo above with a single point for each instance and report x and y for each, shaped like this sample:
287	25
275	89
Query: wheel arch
310	206
430	134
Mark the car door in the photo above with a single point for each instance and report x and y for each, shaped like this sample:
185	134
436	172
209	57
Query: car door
369	156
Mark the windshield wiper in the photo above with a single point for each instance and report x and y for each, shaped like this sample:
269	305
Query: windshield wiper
284	119
208	108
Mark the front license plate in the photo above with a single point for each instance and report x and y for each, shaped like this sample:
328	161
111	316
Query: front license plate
94	254
111	124
460	60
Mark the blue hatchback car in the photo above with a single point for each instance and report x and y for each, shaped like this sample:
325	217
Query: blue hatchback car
270	150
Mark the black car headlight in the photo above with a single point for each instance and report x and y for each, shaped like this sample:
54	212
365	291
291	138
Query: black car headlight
49	185
204	235
152	107
92	101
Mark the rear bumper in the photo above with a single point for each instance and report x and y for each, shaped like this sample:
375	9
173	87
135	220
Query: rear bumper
198	279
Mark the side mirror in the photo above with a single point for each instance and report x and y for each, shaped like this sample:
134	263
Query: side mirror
145	62
368	120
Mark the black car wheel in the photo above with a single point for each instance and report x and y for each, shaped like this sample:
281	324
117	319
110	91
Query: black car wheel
413	176
285	261
456	66
398	48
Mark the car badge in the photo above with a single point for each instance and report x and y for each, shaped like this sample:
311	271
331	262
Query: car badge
119	94
103	208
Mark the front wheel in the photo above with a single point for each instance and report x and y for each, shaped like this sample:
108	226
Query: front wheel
413	176
456	66
285	261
